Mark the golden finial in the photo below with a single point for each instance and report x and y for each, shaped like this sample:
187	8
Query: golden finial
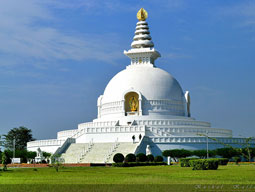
142	15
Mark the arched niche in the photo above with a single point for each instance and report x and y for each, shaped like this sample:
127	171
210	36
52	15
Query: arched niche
132	103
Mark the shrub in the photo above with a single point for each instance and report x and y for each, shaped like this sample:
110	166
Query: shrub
222	161
150	158
158	159
141	157
43	162
130	158
118	158
204	164
134	164
184	162
4	160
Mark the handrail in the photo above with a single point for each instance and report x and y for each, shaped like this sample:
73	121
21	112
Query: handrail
64	146
85	151
112	149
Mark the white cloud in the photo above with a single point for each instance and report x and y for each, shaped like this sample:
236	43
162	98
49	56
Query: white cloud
22	36
25	32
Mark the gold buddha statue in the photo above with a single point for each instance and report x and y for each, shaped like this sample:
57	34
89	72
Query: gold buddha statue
133	104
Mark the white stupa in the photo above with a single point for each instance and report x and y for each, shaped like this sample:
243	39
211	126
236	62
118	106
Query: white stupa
143	109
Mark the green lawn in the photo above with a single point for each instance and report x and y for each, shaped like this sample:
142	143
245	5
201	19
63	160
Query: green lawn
143	176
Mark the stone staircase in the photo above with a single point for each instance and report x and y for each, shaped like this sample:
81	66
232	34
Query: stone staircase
98	153
73	152
124	148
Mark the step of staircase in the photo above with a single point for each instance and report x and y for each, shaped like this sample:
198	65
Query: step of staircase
97	153
72	153
124	148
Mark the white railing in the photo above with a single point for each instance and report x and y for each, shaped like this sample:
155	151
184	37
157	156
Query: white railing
42	143
110	129
174	122
114	129
190	131
111	151
78	133
97	124
85	151
198	139
66	134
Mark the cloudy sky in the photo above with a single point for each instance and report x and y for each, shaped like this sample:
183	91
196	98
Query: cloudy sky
57	56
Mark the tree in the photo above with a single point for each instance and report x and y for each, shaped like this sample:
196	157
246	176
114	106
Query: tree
202	154
1	156
5	159
227	152
176	153
246	145
56	162
31	155
46	154
1	144
249	153
22	135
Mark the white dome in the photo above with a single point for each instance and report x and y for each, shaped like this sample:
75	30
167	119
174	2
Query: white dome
153	83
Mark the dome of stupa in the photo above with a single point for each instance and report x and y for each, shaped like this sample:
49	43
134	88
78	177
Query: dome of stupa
154	91
153	83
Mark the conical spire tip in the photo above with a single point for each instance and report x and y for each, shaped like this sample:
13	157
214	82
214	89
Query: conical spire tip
142	15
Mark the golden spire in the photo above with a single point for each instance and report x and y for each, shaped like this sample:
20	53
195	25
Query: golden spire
142	15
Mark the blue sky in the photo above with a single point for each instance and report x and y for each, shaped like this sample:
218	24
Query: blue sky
57	56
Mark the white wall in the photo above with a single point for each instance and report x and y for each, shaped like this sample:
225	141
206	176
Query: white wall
109	137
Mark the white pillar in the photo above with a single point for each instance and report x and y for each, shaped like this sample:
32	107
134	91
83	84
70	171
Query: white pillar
140	107
168	160
123	107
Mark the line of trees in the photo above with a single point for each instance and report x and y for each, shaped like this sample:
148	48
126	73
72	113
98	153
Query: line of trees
227	152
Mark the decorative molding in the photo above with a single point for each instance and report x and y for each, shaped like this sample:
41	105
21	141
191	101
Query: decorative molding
197	140
165	107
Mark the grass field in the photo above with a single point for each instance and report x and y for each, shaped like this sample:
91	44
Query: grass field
100	178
